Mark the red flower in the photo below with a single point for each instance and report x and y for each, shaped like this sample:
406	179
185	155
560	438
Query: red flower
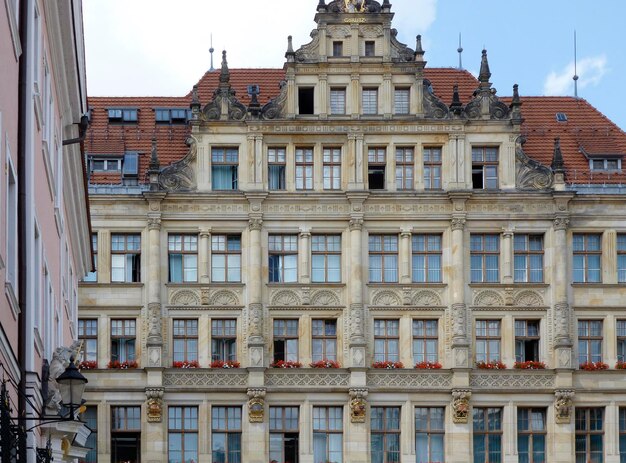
88	365
285	364
621	365
493	365
126	365
593	366
387	365
186	364
225	365
325	364
428	365
529	365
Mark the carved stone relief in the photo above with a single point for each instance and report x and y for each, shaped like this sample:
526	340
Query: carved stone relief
528	299
224	298
256	405
386	298
310	51
185	297
286	298
325	298
180	175
358	405
530	175
338	31
563	402
461	405
426	299
154	404
488	298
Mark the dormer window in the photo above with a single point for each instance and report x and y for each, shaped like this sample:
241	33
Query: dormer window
605	165
122	115
370	48
337	48
171	116
99	164
306	100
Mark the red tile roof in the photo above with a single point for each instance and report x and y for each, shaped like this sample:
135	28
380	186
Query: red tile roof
586	127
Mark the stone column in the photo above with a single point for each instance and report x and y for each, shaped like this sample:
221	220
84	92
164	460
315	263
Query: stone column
405	256
354	43
357	315
155	338
204	264
322	46
507	256
323	96
460	343
305	252
562	315
387	96
355	97
255	305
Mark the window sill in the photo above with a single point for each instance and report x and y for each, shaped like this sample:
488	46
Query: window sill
598	285
299	284
508	285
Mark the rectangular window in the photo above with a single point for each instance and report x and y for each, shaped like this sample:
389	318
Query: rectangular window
170	116
621	340
182	434
370	48
528	258
332	168
90	417
224	173
92	277
224	340
404	168
432	168
622	435
183	258
226	434
11	218
487	424
284	434
425	341
106	165
607	165
304	168
589	435
370	101
88	335
122	115
324	340
283	258
383	258
123	336
487	340
429	434
386	340
286	340
326	258
485	168
126	258
125	434
376	163
426	258
589	341
337	101
621	258
277	165
337	48
587	257
401	101
531	435
526	340
225	258
485	258
306	103
328	434
185	340
385	438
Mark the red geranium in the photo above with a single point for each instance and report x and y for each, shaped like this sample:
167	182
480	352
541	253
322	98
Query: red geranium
387	365
186	364
493	365
285	364
325	364
529	365
593	366
225	365
428	365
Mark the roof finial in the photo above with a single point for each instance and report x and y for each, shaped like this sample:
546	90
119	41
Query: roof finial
211	50
456	106
460	50
575	78
516	104
290	54
224	74
195	101
485	74
386	6
321	6
419	51
154	167
558	166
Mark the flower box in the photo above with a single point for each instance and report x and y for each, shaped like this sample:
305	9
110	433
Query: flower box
428	365
126	365
620	366
88	365
186	364
493	365
593	366
325	364
226	365
285	364
529	365
387	365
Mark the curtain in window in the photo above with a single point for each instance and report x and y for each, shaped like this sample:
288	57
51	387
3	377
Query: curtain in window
223	178
176	268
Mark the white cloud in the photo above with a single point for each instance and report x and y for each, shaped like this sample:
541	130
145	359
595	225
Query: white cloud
590	71
160	47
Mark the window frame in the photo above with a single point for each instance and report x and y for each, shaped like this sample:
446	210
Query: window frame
284	430
482	334
186	334
325	339
90	417
224	339
227	161
127	252
387	432
92	277
183	431
432	163
376	161
487	432
387	338
280	253
329	251
431	431
484	165
526	253
586	254
226	431
384	254
369	48
331	167
337	105
427	253
620	335
305	168
337	48
405	168
277	158
369	101
484	253
402	106
329	428
588	432
285	335
425	337
125	336
234	254
188	242
532	433
620	245
590	340
86	334
524	338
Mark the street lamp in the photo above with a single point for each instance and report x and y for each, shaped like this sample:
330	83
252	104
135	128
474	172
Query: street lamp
71	386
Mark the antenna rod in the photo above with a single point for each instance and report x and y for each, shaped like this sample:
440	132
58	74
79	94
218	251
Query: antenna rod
211	50
575	68
460	50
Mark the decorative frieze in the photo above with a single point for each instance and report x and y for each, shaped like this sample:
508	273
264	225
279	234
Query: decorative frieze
302	378
522	380
410	380
206	379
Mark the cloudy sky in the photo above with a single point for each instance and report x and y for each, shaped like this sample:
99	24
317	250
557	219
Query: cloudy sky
160	47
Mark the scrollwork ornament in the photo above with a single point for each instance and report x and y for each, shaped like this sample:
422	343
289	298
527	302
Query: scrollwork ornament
563	403
180	175
461	405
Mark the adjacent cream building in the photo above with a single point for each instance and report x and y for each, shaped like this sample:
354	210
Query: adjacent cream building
361	208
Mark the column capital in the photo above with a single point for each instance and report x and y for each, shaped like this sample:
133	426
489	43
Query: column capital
406	232
205	232
356	224
507	233
560	223
457	223
255	223
154	223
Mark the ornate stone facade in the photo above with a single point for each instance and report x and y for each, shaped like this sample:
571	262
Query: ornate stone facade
276	240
